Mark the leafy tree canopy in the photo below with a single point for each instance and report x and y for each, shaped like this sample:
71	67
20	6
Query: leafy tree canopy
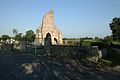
5	37
115	27
18	37
0	38
15	31
30	36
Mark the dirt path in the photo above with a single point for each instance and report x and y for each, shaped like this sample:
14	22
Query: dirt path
31	67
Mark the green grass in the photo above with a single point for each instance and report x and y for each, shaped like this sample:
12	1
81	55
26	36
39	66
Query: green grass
105	62
114	56
86	43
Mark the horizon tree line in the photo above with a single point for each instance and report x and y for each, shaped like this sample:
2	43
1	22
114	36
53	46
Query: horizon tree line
30	35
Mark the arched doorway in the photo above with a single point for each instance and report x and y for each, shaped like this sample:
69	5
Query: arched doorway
48	39
56	41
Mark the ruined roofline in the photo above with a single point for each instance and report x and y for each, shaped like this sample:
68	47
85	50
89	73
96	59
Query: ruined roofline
49	12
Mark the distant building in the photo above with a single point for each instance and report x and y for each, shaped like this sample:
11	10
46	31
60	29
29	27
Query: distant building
48	28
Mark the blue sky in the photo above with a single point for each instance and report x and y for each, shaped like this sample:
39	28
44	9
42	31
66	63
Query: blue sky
74	18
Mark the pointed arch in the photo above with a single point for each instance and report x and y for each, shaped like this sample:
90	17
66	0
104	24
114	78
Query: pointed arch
56	41
48	39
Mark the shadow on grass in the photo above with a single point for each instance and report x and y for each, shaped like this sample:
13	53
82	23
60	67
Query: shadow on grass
31	67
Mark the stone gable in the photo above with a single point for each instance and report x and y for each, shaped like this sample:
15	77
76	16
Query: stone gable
48	27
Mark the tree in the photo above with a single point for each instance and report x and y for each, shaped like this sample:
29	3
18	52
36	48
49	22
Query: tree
30	36
18	37
108	39
15	31
0	38
5	37
115	27
96	38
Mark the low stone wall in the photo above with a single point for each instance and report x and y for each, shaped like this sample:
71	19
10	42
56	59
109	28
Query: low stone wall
57	51
6	48
76	52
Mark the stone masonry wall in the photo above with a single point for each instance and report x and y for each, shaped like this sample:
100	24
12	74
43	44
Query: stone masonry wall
48	27
76	52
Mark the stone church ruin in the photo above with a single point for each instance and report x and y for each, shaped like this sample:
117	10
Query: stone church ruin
48	31
50	37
